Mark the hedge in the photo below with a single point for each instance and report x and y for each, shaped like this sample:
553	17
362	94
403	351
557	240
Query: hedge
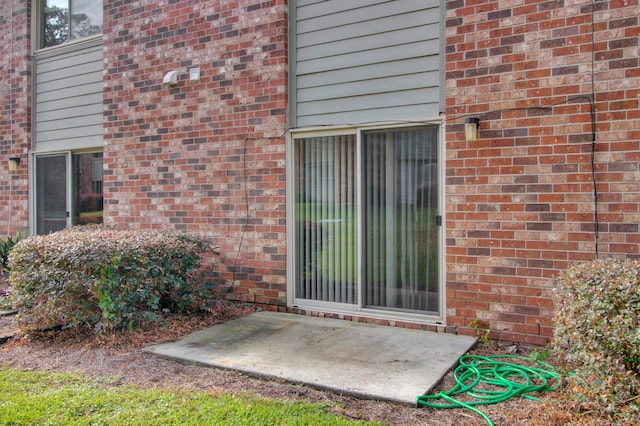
597	326
110	279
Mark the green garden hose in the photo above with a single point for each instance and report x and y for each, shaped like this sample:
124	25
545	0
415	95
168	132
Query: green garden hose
493	379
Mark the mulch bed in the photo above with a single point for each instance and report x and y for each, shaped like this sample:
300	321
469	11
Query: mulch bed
118	359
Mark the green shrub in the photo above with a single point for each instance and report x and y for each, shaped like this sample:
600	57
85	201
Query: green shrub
597	326
106	278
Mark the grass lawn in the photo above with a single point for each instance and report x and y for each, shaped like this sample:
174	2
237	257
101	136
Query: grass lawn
38	398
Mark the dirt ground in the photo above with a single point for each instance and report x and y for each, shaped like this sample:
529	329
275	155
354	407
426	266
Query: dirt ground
118	360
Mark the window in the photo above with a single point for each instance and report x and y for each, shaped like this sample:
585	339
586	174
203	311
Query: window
366	230
67	20
59	192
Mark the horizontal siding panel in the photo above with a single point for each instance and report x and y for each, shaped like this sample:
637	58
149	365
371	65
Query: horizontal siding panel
81	78
368	72
70	133
375	100
314	9
306	2
408	113
71	52
70	93
359	59
71	111
90	57
70	123
362	60
68	99
85	100
398	38
414	21
348	90
310	9
371	12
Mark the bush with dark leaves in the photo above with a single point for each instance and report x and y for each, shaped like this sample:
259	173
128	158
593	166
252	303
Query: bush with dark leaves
109	279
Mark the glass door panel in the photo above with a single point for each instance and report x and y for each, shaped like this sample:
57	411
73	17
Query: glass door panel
87	184
325	222
51	193
400	235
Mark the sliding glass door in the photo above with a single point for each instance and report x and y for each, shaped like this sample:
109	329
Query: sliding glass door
365	229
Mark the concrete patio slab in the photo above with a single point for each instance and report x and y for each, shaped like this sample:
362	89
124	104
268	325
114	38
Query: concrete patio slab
364	360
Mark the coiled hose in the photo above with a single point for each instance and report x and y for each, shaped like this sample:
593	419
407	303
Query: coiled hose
492	379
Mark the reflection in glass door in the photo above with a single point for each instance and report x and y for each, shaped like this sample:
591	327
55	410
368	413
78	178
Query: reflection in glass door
87	185
51	193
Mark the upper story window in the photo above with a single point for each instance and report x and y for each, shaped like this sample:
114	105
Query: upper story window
67	20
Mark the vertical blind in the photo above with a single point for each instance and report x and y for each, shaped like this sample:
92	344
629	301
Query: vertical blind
400	233
326	255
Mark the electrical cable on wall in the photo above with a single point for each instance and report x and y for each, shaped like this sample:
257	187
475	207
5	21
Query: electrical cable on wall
592	114
590	100
10	103
246	194
246	201
593	126
427	122
244	172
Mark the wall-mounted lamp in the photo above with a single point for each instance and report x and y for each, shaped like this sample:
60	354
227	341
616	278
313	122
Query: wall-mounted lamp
471	126
170	78
14	162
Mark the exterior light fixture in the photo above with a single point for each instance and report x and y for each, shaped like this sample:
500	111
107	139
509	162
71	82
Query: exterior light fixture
14	162
471	126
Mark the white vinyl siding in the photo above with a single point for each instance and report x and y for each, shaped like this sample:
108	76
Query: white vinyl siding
68	98
360	61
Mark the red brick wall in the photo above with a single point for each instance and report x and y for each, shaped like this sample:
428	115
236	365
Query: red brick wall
206	156
520	203
15	114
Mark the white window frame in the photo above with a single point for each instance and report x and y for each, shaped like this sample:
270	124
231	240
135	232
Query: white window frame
359	309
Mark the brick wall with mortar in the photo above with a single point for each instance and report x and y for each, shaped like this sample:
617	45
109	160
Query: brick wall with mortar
15	114
196	157
520	202
205	157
